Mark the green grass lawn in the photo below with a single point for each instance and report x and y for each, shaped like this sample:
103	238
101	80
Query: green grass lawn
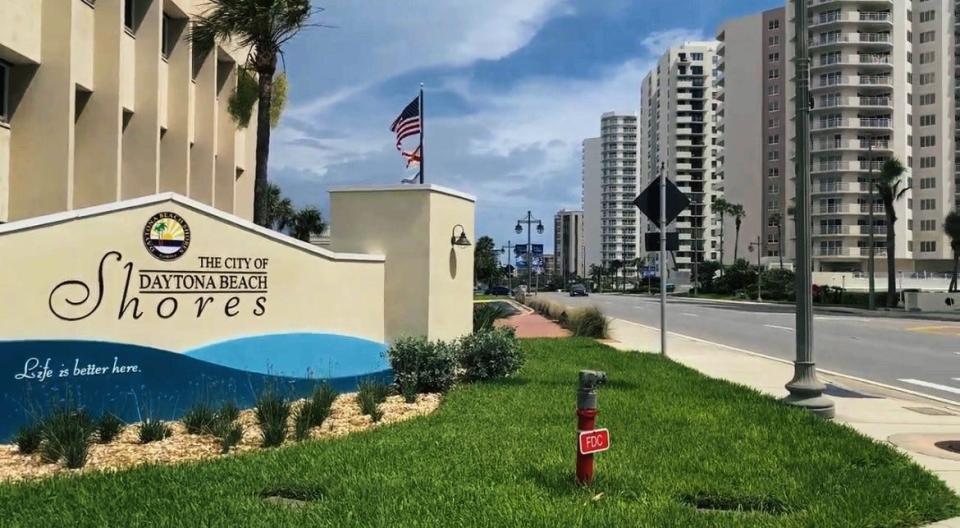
501	454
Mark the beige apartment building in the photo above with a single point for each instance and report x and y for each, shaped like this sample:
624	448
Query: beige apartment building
591	200
105	100
569	246
861	87
618	188
751	125
678	132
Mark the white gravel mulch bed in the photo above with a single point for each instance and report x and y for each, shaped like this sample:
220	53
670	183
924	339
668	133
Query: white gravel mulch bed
126	451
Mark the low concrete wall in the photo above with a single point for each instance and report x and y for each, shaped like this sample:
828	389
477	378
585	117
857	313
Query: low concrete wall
932	302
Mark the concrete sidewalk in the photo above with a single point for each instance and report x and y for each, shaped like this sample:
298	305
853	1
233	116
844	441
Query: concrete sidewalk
908	421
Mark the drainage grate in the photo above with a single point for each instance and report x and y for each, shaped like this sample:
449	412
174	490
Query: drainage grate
930	411
710	503
291	497
949	445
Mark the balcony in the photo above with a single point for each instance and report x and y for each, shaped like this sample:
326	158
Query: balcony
840	187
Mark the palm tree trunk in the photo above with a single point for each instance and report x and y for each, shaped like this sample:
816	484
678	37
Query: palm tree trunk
780	239
891	258
721	243
736	246
265	80
956	270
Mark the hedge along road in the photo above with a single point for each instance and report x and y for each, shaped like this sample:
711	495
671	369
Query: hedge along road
917	355
502	454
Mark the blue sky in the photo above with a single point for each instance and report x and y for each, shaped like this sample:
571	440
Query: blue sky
513	87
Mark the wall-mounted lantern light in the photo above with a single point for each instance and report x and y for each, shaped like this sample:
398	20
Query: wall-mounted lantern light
460	240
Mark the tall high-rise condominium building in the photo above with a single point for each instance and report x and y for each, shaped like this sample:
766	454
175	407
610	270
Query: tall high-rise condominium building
569	245
618	188
678	134
109	100
882	86
752	132
592	203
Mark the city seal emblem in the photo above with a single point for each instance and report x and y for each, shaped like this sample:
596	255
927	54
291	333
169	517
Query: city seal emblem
166	236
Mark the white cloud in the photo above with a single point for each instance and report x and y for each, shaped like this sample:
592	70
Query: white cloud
386	38
658	42
516	146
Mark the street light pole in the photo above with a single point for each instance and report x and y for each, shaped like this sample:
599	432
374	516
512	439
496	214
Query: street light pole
806	390
529	220
509	250
871	262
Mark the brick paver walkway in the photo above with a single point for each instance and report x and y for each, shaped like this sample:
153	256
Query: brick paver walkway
529	325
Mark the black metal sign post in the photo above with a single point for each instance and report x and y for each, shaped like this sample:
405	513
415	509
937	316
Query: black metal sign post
662	202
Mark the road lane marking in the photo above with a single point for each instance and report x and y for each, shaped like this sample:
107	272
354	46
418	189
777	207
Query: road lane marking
789	362
944	330
927	384
787	328
689	314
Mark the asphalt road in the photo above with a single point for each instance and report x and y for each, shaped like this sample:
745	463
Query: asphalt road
918	355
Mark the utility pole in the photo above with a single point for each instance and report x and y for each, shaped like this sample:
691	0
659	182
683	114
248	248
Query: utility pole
871	261
529	220
805	388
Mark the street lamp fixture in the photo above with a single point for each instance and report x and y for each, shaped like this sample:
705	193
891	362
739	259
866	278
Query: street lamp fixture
529	220
461	240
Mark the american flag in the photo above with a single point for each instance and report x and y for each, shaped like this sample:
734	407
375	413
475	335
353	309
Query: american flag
407	124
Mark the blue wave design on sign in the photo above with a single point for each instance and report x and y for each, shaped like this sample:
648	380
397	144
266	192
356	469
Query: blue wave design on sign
297	355
134	382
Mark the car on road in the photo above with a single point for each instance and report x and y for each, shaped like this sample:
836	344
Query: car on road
498	290
578	290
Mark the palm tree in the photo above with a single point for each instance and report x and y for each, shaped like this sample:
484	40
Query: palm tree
263	27
951	226
737	212
777	219
888	187
721	207
596	273
637	264
305	222
615	267
280	210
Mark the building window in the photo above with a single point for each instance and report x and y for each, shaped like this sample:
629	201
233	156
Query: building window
4	92
128	14
928	246
168	39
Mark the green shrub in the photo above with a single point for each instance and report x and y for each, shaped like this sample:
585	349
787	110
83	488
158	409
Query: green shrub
199	419
228	434
302	421
409	393
153	430
589	322
486	313
778	284
428	366
28	438
66	434
490	354
228	412
320	404
108	427
370	394
272	413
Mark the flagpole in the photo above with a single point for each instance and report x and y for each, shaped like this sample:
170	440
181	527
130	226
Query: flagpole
423	126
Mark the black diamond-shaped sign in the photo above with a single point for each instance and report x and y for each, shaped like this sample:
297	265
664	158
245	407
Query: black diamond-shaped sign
649	202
